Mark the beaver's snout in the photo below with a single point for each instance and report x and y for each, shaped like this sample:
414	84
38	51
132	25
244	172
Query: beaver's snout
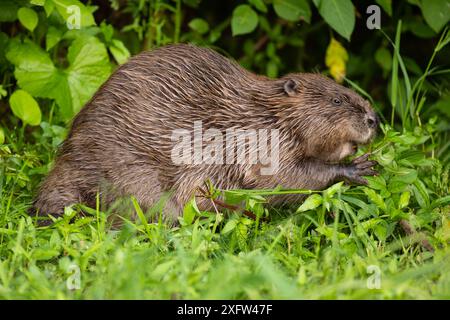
372	121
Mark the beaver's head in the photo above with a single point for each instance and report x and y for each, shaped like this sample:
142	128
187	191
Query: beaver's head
329	119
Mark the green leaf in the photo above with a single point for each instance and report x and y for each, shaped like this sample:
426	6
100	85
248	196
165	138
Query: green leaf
8	10
68	9
312	202
107	31
162	269
376	182
244	20
441	202
293	10
2	136
396	186
119	51
339	14
139	212
34	70
404	200
229	226
28	18
44	254
381	230
386	5
384	58
272	69
421	194
3	92
331	191
190	211
405	175
25	107
88	68
375	198
53	36
199	25
436	13
259	4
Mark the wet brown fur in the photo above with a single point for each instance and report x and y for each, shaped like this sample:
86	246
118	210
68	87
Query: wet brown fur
120	142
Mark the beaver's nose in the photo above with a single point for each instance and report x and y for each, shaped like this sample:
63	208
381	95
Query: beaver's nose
372	121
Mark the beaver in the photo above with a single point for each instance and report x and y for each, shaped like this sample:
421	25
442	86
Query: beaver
122	142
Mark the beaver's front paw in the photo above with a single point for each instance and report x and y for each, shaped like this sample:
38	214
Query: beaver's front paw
358	168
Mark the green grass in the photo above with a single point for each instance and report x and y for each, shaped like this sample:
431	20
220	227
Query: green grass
325	249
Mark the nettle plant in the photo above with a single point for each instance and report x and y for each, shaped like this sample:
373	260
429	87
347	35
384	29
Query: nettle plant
409	194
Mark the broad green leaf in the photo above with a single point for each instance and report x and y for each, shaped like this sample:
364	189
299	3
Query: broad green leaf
272	69
405	175
34	70
234	197
44	254
8	10
71	88
396	186
199	25
28	18
293	10
89	68
69	9
404	200
411	157
384	58
107	31
331	191
162	269
244	20
119	51
259	4
312	202
3	92
376	182
421	194
339	14
25	107
436	13
441	202
375	198
38	2
2	136
387	157
229	226
52	38
386	5
190	211
49	6
402	179
381	230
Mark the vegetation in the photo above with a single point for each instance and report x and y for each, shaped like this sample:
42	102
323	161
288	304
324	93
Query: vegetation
389	239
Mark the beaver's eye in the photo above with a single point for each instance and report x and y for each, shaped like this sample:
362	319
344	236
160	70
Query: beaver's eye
337	101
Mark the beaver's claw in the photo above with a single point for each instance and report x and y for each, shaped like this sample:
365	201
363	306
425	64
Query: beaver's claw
358	168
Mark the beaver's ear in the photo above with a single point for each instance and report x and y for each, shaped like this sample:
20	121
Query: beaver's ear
290	87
